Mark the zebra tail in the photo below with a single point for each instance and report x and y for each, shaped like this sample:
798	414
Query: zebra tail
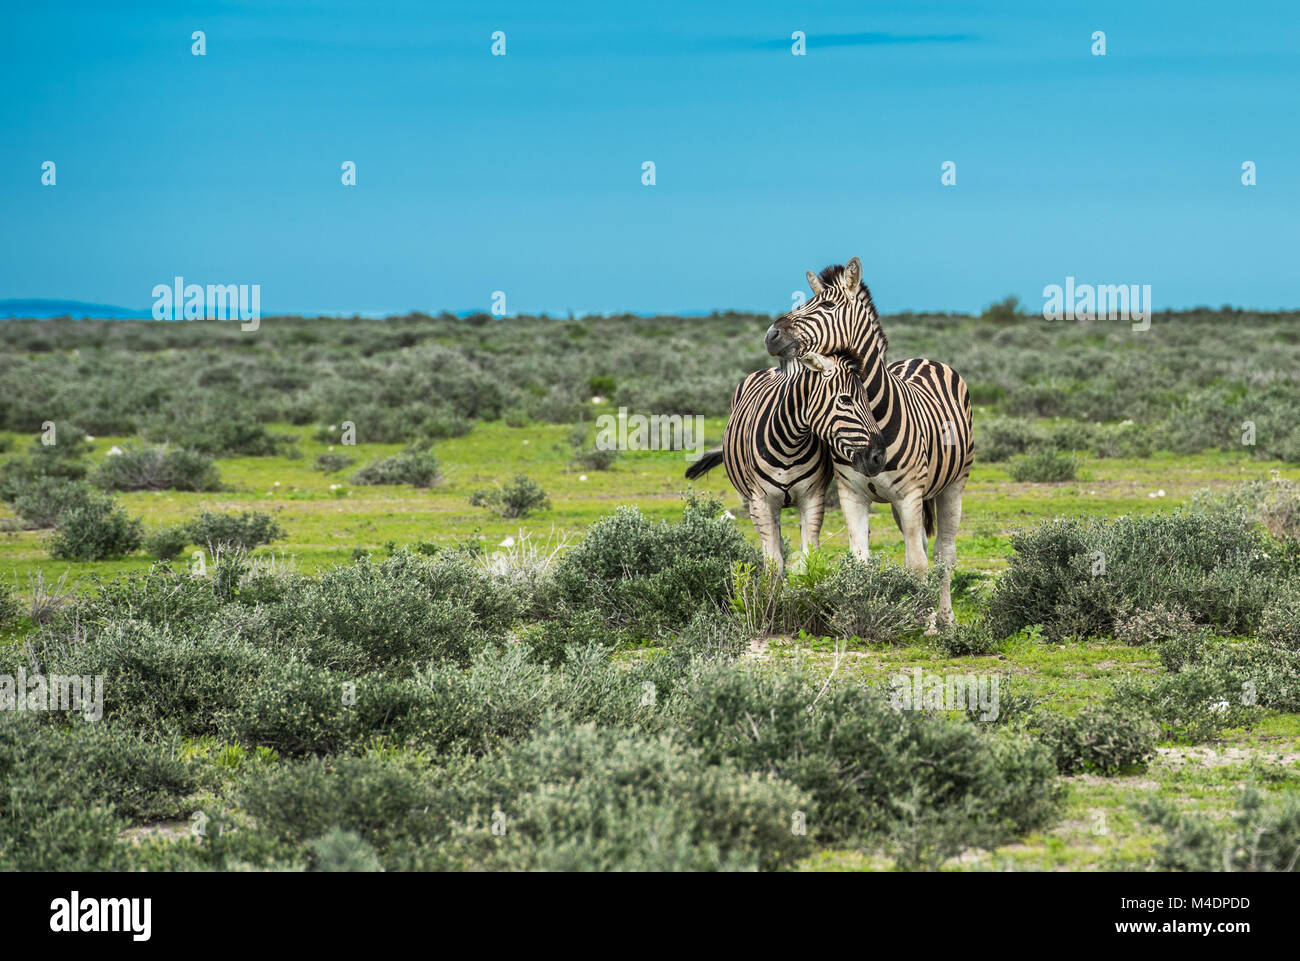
710	460
927	516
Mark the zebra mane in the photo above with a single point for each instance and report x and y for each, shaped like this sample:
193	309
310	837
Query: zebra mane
832	275
853	364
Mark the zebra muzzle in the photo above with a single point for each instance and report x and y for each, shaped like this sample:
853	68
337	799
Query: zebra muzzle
778	341
870	461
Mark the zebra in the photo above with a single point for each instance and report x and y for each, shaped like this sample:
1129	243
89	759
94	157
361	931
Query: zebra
786	432
923	409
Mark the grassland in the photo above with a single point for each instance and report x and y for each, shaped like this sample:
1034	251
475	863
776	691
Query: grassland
328	518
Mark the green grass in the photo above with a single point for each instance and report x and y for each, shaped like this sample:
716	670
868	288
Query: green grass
325	525
1099	829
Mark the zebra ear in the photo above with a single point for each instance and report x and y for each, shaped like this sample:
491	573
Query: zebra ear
853	274
818	364
814	282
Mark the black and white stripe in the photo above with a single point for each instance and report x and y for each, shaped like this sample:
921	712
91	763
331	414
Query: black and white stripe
786	434
923	409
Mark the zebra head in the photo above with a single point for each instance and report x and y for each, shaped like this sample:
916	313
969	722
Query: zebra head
835	403
839	319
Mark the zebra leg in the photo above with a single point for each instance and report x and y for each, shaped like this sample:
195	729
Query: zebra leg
812	510
947	511
767	520
857	517
911	521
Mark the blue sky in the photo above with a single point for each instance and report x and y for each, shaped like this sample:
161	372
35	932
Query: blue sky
522	173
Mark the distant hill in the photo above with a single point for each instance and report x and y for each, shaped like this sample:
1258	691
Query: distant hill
39	309
14	309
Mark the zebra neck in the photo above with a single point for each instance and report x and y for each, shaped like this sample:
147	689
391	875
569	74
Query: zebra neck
794	413
884	388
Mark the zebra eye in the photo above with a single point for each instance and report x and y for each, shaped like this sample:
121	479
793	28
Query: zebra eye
845	399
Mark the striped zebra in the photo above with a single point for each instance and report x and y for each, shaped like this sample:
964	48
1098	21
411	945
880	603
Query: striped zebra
785	435
922	407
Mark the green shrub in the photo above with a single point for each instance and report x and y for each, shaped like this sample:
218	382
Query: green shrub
1004	311
651	575
365	616
585	799
503	695
161	680
878	602
414	465
1178	652
329	463
296	709
155	468
1280	622
1099	740
713	634
166	543
929	785
1274	503
161	596
1001	438
1257	673
558	406
387	802
1045	467
1155	625
339	850
69	443
1191	706
592	458
596	458
265	583
98	531
1016	708
246	530
1075	435
69	792
518	498
42	502
1078	578
1261	835
673	596
17	474
603	385
214	425
389	809
966	640
549	641
10	609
